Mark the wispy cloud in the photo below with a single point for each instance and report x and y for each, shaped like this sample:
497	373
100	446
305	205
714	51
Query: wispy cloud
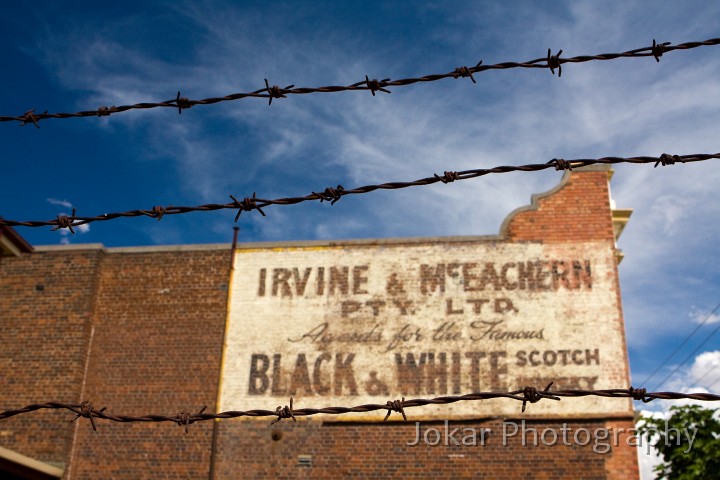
62	203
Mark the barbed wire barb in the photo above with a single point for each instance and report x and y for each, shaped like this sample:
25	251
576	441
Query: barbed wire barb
275	91
448	177
667	159
87	411
553	62
532	395
186	418
182	103
639	394
658	49
330	194
157	212
395	406
374	85
560	164
104	111
465	72
284	412
29	117
63	221
246	205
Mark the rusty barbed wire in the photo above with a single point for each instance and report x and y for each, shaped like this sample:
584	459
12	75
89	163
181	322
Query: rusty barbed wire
524	395
334	194
551	62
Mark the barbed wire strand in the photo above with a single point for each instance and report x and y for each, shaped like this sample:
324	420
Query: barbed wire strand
551	62
525	395
333	195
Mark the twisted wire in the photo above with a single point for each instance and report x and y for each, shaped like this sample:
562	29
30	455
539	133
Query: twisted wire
551	62
335	194
524	395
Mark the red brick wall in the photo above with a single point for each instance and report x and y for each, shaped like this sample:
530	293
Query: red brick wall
152	323
156	349
377	450
46	305
624	461
578	211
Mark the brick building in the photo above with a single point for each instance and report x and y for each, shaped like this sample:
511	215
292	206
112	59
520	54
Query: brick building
169	329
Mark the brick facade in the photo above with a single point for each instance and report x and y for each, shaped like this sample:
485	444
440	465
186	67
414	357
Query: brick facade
46	315
141	330
375	450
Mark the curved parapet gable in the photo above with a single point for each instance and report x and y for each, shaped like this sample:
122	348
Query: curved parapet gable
577	209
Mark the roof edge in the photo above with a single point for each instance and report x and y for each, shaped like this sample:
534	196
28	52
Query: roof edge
13	242
29	463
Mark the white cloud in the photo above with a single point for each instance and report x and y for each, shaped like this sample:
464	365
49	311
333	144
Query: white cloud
704	317
66	235
705	371
62	203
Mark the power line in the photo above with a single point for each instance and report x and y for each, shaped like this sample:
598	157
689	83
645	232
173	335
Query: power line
713	384
551	62
708	372
335	194
682	344
690	355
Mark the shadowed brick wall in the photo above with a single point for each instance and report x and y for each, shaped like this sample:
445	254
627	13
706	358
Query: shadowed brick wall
46	311
156	348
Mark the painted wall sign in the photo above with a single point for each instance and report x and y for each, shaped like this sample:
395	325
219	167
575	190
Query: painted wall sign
366	323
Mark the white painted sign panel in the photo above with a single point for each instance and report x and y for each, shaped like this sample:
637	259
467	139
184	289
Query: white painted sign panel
370	322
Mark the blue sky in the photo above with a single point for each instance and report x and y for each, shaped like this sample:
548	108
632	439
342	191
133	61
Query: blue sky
68	56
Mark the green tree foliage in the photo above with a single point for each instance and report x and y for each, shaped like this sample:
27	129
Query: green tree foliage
686	457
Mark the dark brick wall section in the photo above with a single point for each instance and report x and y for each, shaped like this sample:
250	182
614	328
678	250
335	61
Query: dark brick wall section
46	304
156	349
